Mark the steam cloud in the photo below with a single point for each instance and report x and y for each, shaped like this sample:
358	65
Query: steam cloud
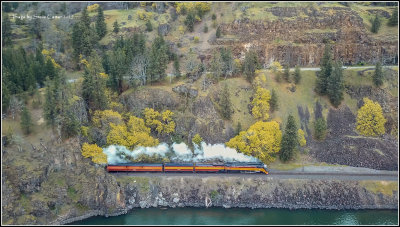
178	153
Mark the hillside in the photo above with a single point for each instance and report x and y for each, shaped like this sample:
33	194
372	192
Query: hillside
141	87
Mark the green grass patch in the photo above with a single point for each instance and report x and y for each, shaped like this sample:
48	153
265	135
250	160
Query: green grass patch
385	187
142	182
73	193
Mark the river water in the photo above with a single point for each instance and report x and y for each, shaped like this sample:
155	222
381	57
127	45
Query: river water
244	216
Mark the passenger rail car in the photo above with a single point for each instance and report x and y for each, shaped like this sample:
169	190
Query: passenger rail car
228	167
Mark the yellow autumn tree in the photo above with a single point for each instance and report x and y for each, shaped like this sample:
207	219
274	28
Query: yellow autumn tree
276	66
103	118
262	140
301	138
197	139
47	54
370	119
134	133
95	152
261	103
260	79
192	6
162	123
93	8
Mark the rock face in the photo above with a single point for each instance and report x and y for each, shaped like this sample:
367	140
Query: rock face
185	90
300	41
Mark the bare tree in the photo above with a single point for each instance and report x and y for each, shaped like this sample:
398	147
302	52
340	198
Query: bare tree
138	69
15	106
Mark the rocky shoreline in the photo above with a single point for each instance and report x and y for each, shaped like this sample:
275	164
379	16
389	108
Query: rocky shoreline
242	192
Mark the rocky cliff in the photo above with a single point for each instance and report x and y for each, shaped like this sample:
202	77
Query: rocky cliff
296	36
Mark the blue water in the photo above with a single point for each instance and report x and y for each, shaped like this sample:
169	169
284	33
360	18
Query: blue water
243	216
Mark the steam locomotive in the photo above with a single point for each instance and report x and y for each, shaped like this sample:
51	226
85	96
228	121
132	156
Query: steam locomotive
227	167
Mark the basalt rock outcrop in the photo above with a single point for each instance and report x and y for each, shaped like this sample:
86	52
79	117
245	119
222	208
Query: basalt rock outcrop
297	36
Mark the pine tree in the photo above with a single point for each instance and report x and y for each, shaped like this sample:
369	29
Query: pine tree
158	59
49	107
393	21
251	63
94	85
26	121
177	67
225	103
297	75
326	70
274	101
289	140
376	24
149	26
101	27
286	73
218	33
319	128
378	75
335	87
118	67
189	21
116	27
238	128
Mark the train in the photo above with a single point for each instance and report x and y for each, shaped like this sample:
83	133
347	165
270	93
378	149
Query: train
227	167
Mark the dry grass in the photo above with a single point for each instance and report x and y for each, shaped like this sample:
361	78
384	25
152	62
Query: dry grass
385	187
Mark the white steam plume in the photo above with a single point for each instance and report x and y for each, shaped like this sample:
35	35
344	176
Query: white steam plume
179	153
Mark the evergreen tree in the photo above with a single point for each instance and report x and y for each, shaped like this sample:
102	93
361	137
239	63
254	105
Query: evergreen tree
93	85
227	61
49	69
286	73
6	30
118	67
149	26
189	21
378	75
393	21
274	101
319	128
376	24
251	63
335	87
158	59
116	27
326	70
225	103
26	121
289	140
177	67
218	33
70	125
238	128
84	37
49	107
297	75
101	27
